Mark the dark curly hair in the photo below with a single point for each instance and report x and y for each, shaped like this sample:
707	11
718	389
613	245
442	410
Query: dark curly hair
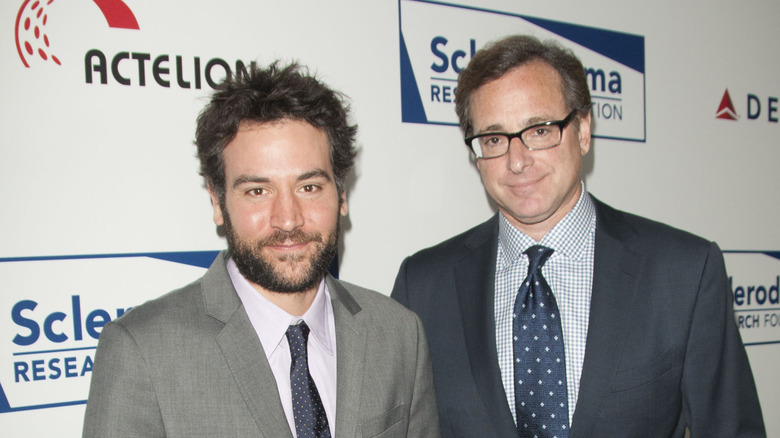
268	95
499	57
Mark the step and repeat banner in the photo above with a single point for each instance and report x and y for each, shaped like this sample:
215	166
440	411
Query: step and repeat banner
103	207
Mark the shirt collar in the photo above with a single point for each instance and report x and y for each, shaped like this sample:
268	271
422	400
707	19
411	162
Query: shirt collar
271	322
568	237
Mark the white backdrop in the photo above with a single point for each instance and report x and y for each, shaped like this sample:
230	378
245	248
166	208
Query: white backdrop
91	169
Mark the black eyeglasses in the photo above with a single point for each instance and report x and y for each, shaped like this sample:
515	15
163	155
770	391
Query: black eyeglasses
536	137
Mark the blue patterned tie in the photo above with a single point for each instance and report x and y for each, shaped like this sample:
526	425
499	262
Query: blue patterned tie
541	401
309	414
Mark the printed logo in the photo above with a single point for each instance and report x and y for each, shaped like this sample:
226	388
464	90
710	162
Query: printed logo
54	308
437	40
726	109
33	41
129	68
754	278
756	107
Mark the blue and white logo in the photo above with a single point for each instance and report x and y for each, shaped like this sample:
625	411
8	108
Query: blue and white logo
53	309
437	40
754	278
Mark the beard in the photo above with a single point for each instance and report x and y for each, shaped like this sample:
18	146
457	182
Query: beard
292	273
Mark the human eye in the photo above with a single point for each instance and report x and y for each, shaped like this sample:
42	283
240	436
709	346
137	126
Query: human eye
541	131
256	191
310	188
492	141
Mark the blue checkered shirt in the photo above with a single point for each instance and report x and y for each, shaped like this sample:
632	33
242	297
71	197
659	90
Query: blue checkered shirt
569	272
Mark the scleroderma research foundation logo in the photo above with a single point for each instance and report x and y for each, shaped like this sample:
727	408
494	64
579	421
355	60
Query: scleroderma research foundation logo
32	39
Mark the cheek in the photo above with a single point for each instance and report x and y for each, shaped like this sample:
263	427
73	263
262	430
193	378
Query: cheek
323	216
568	173
575	161
247	217
568	161
488	172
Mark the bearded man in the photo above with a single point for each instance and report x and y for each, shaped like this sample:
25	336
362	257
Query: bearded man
267	343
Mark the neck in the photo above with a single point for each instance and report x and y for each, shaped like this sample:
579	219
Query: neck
537	230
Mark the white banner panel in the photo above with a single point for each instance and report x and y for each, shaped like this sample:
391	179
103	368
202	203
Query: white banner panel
57	307
103	207
755	280
438	39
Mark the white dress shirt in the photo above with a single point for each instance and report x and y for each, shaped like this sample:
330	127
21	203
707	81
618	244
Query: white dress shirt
271	323
569	272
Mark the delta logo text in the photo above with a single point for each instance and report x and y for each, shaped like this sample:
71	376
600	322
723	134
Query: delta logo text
55	309
754	278
434	49
138	68
756	108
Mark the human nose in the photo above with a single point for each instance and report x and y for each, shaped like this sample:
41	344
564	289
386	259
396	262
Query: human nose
286	214
518	156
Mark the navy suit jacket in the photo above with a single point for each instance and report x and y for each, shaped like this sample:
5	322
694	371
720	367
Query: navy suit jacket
663	352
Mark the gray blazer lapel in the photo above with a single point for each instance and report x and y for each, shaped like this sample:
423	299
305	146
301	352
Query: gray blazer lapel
351	358
615	283
475	284
244	353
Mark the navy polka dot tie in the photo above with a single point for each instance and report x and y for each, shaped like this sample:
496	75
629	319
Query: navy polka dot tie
541	400
309	414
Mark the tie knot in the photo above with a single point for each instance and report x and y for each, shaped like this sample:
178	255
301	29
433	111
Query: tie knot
537	256
297	336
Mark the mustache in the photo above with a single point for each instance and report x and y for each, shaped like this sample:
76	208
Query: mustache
280	237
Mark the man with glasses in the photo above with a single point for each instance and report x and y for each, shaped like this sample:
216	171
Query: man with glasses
561	316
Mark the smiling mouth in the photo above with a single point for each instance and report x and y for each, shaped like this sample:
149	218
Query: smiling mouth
524	185
289	239
290	246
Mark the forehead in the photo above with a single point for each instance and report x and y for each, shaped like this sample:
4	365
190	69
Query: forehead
276	148
529	93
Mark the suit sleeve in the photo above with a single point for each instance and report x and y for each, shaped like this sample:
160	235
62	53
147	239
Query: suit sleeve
400	292
122	401
424	413
424	418
719	393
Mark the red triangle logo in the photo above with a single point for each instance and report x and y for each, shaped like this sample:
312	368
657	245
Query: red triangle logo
33	40
726	109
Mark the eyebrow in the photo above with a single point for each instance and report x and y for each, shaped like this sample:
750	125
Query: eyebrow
526	123
252	179
316	173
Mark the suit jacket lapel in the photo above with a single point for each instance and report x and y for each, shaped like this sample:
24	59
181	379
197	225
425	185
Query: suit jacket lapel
350	356
244	353
615	281
475	284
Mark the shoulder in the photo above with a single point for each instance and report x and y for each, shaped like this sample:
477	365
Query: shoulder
372	301
372	304
180	306
208	300
647	236
482	237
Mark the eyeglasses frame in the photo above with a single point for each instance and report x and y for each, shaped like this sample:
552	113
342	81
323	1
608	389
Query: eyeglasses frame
561	124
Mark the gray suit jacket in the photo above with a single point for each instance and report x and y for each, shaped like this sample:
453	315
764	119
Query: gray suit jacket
662	352
189	364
